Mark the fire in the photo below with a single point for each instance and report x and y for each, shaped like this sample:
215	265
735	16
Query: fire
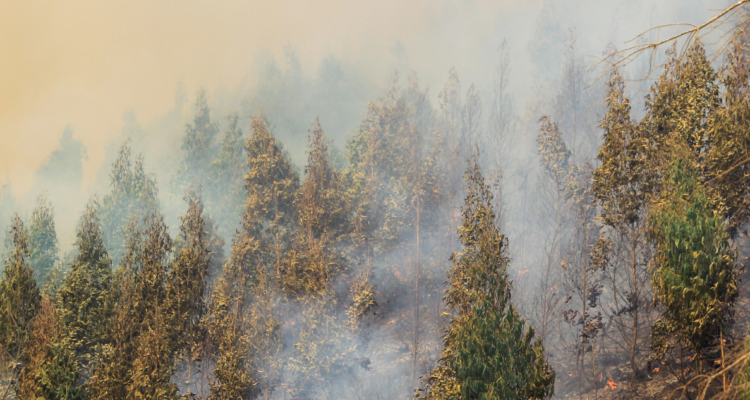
656	369
612	384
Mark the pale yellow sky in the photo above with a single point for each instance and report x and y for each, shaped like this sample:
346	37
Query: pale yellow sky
85	62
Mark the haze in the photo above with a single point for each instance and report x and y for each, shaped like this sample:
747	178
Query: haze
85	63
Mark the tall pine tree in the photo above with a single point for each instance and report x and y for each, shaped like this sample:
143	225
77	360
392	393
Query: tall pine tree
85	299
323	223
20	299
244	306
227	178
137	359
133	196
198	144
621	186
42	240
272	184
50	372
489	353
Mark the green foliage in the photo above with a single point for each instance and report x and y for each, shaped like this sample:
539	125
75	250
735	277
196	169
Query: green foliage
227	178
19	295
272	185
133	196
198	144
188	277
243	323
620	182
377	158
683	99
681	105
686	103
85	299
153	365
50	372
489	352
693	273
394	188
553	152
229	326
137	357
322	202
58	379
42	240
322	206
511	365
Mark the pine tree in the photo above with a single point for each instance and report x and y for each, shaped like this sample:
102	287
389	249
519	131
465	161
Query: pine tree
272	184
85	299
42	240
323	221
51	372
622	184
137	358
244	306
489	352
188	279
227	176
19	300
245	327
198	145
133	196
153	365
376	179
154	360
693	275
681	104
62	171
553	152
229	324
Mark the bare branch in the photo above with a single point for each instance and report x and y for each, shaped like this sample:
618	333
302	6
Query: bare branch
624	57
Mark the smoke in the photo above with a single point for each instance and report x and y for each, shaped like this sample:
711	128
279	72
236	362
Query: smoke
132	70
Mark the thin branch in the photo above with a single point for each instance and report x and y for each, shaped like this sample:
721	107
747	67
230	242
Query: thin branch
626	56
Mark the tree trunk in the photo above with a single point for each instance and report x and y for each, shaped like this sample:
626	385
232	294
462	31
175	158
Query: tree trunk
416	297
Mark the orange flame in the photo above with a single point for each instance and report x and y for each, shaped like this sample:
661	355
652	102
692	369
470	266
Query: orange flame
612	384
656	369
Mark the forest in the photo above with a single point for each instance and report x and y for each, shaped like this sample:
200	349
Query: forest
448	247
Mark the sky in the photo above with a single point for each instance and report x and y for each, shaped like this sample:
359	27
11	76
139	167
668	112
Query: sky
84	63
